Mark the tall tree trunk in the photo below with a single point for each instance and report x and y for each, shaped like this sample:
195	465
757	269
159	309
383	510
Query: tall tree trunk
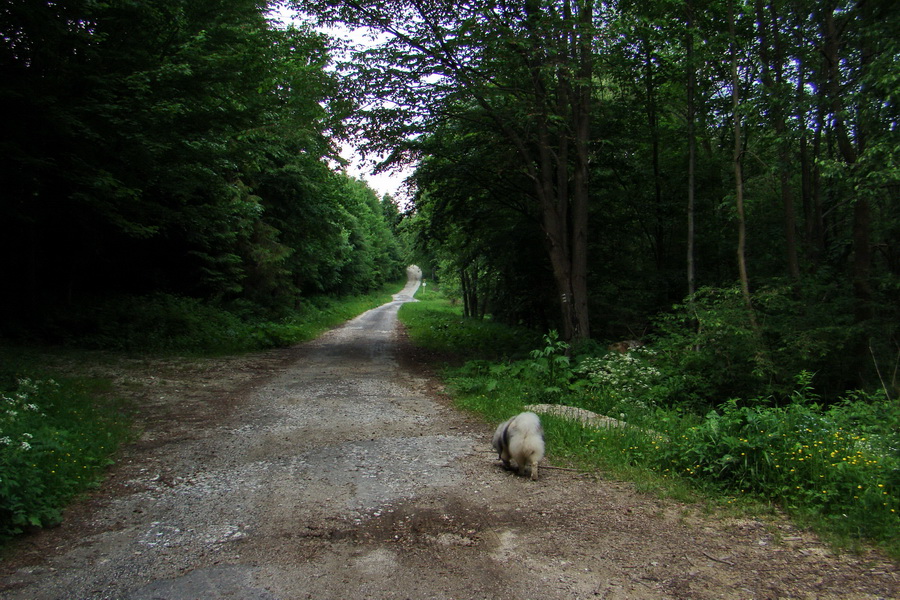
862	214
737	159
692	146
772	59
464	285
785	162
862	258
564	199
580	197
653	124
806	172
818	232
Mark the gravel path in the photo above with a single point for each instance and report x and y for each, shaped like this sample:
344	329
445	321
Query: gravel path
336	470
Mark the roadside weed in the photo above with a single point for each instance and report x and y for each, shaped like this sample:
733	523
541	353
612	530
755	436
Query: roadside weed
56	438
826	464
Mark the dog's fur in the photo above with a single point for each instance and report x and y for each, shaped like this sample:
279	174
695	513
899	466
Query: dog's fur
520	440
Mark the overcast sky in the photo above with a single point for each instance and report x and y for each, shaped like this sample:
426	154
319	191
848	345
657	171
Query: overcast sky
383	183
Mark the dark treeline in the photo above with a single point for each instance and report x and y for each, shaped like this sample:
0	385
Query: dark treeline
174	147
587	166
583	166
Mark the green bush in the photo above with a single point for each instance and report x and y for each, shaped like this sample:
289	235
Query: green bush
55	441
549	371
710	343
838	464
169	323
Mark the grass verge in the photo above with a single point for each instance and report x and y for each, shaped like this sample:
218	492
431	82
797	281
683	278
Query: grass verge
165	323
438	325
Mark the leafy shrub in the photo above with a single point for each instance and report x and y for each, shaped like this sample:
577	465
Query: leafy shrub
710	341
544	378
628	381
55	441
549	369
840	464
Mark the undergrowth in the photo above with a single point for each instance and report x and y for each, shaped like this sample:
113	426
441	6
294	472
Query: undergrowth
168	323
832	466
440	326
56	439
836	467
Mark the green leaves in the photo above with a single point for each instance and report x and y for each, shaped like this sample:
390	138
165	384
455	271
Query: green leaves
813	460
176	147
51	453
550	366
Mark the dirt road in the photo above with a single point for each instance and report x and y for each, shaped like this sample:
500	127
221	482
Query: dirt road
334	470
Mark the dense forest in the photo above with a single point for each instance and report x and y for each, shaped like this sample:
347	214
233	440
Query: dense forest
174	154
580	166
586	166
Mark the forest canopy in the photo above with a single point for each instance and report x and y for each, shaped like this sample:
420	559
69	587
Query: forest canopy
582	166
586	166
175	147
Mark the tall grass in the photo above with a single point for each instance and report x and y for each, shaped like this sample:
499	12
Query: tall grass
437	324
834	467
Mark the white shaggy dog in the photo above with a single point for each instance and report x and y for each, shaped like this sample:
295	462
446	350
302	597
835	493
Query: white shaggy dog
521	439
